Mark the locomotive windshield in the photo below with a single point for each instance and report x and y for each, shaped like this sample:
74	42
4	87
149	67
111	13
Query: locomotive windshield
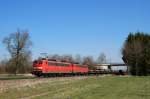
35	62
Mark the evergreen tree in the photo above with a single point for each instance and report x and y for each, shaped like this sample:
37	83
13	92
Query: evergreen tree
136	53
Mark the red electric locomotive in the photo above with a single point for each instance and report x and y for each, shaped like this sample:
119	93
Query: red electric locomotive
45	67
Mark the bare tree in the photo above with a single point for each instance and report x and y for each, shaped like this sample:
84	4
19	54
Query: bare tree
89	61
3	66
101	59
68	58
55	57
18	44
77	59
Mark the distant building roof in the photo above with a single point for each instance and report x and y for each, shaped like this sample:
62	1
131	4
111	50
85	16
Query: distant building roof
102	64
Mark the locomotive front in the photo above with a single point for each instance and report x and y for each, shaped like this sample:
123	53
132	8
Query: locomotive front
37	68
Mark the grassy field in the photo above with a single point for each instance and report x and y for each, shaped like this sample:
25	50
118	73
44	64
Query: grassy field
82	88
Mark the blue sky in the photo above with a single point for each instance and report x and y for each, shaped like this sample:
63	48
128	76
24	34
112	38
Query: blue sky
85	27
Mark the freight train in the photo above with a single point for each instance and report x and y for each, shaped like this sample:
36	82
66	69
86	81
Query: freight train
46	67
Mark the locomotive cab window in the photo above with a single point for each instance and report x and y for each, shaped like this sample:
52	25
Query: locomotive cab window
35	62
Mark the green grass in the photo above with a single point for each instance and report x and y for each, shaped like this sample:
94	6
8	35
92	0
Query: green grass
89	88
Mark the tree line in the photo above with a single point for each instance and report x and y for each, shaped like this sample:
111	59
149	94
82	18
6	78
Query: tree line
18	45
135	54
87	60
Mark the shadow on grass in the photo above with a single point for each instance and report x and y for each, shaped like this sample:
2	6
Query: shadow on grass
14	77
